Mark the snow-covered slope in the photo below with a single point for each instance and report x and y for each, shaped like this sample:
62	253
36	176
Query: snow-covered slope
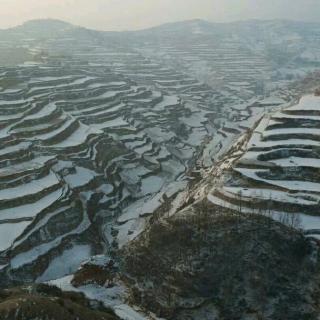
99	130
279	170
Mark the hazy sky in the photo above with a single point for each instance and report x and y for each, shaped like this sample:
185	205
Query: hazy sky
136	14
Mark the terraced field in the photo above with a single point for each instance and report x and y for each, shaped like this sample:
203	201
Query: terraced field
85	154
279	170
99	130
75	143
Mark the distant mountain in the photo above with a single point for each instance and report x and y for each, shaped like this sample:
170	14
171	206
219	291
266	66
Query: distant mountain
271	31
252	28
39	29
48	24
194	26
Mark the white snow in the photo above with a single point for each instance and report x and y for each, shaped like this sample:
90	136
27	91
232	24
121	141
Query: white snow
44	112
295	185
307	222
32	209
32	254
77	137
15	148
33	187
307	103
82	177
9	232
110	297
25	166
68	262
125	312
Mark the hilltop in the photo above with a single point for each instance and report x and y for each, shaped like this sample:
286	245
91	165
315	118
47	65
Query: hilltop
210	263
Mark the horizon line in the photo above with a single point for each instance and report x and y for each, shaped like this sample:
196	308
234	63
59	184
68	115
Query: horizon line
161	24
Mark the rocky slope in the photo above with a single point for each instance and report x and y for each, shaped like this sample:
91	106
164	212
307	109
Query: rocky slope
208	263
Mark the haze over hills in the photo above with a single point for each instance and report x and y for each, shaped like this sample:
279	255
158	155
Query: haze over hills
101	132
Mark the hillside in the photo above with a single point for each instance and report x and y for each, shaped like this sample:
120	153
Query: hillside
44	302
278	170
210	263
101	131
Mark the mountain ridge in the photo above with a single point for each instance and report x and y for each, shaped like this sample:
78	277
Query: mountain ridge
39	22
203	22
